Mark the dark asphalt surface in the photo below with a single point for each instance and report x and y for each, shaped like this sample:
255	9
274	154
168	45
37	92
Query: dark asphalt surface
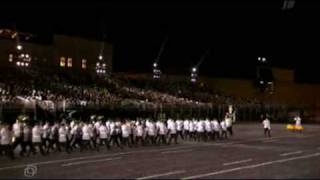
248	154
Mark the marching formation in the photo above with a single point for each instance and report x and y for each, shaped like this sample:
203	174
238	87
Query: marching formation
99	133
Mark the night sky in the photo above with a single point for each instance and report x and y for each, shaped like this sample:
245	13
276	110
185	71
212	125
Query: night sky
236	33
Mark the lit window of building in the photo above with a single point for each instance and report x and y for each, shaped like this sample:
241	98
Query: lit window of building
84	64
62	61
69	62
10	57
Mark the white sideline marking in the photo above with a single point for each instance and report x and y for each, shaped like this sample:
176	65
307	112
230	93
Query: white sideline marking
237	162
251	166
164	174
88	157
291	153
272	140
89	161
167	152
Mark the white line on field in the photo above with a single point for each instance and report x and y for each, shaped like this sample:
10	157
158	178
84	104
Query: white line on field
90	157
167	152
291	153
89	161
164	174
237	162
272	140
251	166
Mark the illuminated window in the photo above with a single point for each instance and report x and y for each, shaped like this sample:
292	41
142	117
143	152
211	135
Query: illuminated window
10	57
62	61
84	64
69	62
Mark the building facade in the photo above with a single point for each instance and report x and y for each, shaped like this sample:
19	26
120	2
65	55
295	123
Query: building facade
61	52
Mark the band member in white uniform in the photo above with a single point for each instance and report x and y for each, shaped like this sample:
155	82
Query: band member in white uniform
192	130
162	131
208	128
27	139
186	129
266	126
139	133
125	129
172	128
104	135
151	138
36	139
63	138
216	129
200	130
6	141
228	120
223	129
45	135
18	135
179	124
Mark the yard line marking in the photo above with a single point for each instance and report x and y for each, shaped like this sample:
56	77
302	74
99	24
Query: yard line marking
251	166
237	162
167	152
90	161
89	157
291	153
164	174
272	140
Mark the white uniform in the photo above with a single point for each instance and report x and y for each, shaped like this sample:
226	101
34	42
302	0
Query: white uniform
62	134
266	124
125	130
103	132
45	131
223	125
172	127
17	129
208	126
162	128
36	134
228	122
200	126
151	129
5	136
216	125
139	130
85	132
179	125
191	126
186	125
112	128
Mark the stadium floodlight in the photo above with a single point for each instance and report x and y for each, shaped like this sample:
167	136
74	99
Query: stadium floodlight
98	64
100	57
261	82
19	47
27	56
27	64
194	69
18	63
259	58
104	64
263	59
155	64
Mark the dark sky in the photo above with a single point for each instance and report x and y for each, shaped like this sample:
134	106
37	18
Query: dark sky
236	33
